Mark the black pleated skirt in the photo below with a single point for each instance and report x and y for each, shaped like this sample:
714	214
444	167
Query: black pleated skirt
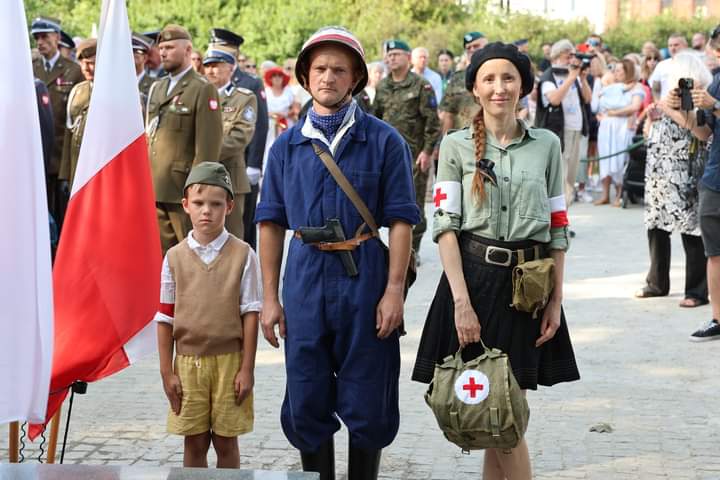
502	327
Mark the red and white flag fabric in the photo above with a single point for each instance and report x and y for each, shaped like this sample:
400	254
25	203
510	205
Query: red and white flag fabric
26	328
108	261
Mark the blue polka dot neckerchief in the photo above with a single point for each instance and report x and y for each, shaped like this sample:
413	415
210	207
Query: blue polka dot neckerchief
328	124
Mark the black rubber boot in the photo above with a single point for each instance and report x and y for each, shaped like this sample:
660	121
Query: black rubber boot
322	461
363	464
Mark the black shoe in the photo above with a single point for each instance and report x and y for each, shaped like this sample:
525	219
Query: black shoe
322	461
709	331
363	464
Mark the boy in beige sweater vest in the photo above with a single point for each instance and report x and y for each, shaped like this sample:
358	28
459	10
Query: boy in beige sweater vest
209	302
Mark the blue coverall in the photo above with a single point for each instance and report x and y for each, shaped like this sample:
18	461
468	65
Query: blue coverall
336	366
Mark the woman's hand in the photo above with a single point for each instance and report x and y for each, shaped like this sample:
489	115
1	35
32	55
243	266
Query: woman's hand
466	323
550	321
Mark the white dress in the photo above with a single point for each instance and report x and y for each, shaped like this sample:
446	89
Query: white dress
279	105
614	133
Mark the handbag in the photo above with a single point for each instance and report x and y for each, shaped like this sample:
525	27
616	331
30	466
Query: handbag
367	217
478	404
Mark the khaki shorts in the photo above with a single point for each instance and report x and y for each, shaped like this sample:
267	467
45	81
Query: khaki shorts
208	400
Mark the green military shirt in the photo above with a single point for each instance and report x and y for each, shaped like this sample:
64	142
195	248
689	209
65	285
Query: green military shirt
239	115
64	75
409	106
77	108
458	102
529	192
184	128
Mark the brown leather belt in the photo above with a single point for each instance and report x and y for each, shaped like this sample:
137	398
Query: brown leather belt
347	245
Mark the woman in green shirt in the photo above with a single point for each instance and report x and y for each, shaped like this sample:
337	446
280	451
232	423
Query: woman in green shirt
499	191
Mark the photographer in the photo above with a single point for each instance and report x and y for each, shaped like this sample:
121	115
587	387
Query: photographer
675	153
709	190
564	92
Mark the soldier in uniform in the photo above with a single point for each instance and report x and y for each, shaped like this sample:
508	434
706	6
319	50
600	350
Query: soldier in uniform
77	107
184	128
458	107
59	75
141	46
256	149
407	102
239	114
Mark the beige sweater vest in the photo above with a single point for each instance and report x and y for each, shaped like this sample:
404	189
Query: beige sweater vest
207	299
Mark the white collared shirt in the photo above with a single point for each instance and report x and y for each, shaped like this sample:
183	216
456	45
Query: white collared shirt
309	131
52	61
225	89
140	76
250	285
175	78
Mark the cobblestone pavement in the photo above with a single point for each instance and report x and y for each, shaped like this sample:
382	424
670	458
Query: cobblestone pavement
639	373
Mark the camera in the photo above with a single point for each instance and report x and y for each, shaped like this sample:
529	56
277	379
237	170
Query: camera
585	59
685	86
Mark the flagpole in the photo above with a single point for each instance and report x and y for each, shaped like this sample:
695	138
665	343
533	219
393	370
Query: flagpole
14	443
54	428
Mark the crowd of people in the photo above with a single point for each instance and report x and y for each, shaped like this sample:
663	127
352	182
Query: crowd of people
341	146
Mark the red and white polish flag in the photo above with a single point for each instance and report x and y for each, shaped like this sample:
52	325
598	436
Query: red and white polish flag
26	328
108	261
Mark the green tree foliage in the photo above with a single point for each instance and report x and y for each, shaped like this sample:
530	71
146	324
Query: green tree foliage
276	29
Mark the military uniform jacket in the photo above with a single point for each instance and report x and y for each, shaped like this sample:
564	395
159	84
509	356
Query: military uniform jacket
256	149
239	114
77	108
411	107
47	127
184	128
458	102
59	81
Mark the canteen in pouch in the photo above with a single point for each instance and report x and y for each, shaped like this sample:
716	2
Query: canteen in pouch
533	283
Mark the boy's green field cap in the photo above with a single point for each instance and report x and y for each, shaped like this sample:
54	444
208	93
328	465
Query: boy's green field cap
210	173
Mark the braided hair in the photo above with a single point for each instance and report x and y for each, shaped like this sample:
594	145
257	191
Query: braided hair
478	182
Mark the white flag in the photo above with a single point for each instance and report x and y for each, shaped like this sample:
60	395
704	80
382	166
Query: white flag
26	326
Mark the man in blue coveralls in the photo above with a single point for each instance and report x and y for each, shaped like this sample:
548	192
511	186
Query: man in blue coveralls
342	354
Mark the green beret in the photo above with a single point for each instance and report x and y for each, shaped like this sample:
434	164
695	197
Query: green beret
210	173
396	45
173	32
471	37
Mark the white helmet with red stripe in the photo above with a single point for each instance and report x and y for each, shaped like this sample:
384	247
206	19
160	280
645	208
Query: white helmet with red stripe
336	36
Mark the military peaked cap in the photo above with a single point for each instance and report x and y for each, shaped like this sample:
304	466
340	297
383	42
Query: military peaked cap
66	40
141	42
45	25
221	36
219	53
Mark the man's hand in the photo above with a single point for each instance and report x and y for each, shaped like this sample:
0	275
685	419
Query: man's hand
253	175
389	313
244	382
423	161
173	391
272	314
702	99
573	72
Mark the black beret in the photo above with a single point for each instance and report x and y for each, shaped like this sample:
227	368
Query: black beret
509	53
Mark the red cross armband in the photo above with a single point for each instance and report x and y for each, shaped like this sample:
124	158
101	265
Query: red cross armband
447	196
558	212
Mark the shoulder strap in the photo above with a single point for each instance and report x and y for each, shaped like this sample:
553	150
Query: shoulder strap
346	187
